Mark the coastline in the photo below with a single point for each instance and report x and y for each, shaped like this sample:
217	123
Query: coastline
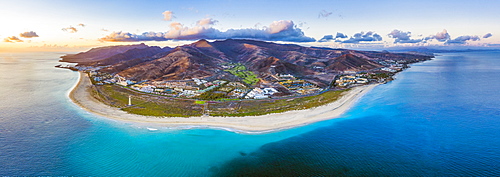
249	124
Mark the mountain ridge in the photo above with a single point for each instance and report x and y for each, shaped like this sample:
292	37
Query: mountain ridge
205	59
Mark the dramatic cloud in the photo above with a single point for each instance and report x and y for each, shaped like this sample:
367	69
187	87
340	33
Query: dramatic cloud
403	37
70	29
12	39
340	35
29	34
324	13
167	15
487	35
81	24
283	30
327	38
463	39
363	37
441	36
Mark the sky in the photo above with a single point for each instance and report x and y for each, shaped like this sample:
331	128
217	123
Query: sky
61	25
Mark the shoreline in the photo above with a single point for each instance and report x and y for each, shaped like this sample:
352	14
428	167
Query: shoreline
248	124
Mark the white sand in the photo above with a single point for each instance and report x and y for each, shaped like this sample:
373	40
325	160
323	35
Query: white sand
250	124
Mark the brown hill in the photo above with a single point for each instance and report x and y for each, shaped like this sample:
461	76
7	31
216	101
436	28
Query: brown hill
203	58
100	53
130	55
272	65
179	64
350	62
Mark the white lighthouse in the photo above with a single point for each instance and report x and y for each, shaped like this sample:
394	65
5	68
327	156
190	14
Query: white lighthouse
129	101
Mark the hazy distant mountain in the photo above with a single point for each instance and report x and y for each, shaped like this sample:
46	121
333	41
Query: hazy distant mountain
204	59
100	53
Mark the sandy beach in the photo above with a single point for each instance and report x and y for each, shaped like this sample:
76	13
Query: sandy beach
250	124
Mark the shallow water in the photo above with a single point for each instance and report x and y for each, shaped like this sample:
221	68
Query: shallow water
438	118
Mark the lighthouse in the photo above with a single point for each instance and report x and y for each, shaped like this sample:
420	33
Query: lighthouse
129	101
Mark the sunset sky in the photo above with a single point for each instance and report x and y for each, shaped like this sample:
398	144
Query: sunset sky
54	25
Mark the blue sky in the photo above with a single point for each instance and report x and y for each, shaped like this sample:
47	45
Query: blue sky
77	24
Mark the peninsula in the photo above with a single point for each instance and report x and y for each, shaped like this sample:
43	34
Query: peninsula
245	85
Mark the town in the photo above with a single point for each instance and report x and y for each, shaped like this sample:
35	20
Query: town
282	85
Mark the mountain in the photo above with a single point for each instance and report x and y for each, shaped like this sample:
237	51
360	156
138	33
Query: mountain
179	64
205	59
100	53
273	65
350	62
130	54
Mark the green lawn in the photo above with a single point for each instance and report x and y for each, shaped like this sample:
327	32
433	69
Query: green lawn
241	71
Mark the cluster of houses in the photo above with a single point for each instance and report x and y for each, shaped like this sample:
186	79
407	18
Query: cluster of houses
258	93
184	88
196	86
392	66
300	86
347	80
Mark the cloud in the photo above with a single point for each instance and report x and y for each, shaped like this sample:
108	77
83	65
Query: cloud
327	38
440	36
340	35
81	24
463	39
403	37
29	34
324	14
283	30
206	22
12	39
487	35
369	36
167	15
70	29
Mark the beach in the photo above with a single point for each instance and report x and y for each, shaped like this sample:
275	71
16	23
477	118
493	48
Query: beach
248	124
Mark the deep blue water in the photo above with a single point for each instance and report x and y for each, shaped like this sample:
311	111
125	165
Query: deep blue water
438	118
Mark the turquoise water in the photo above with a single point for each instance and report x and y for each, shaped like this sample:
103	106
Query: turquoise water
438	118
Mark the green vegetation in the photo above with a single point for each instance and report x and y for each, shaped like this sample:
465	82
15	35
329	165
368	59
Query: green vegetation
211	95
199	102
154	105
262	107
241	71
146	104
380	76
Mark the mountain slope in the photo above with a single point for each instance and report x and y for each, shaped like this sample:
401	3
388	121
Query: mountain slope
179	64
100	53
350	62
130	55
204	59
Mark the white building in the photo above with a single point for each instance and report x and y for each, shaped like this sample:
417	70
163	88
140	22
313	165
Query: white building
388	69
258	93
147	89
199	81
269	91
255	92
361	80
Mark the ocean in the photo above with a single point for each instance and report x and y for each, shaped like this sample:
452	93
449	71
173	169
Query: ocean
438	118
